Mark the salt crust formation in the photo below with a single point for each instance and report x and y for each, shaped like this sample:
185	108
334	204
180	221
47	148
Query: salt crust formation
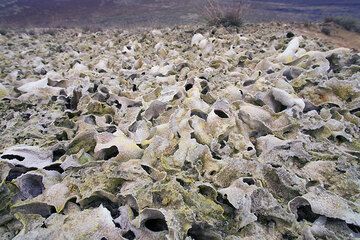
183	133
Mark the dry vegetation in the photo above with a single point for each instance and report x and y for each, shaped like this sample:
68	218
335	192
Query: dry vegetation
220	14
349	23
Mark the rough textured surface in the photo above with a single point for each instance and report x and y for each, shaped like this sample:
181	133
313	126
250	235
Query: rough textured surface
183	133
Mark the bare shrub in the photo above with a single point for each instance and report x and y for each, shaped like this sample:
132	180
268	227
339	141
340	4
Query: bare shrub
307	24
230	14
326	31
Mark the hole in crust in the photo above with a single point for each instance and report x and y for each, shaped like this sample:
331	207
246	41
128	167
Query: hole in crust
156	225
192	135
222	144
249	181
16	172
62	136
188	86
221	114
279	107
205	90
290	35
248	83
312	183
147	169
117	104
198	232
354	228
288	236
135	212
224	201
215	156
198	113
341	139
182	183
110	152
205	191
111	129
12	157
54	167
32	185
129	235
117	224
275	165
134	88
305	213
58	153
212	173
108	119
96	201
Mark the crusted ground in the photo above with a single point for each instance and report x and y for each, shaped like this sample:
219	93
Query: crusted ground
182	133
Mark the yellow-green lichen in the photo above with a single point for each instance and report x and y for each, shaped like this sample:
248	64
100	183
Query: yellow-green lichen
343	91
99	109
85	140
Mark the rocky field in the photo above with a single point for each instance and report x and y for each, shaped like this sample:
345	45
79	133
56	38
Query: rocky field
178	133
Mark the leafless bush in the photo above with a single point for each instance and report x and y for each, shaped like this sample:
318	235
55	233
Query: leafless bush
225	14
308	24
326	31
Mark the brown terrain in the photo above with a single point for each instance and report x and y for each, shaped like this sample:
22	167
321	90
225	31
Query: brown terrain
339	37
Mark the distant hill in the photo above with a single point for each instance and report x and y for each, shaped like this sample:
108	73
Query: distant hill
128	13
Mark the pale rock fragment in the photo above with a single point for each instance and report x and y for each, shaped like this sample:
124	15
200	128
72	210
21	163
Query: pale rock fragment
102	66
196	39
116	145
3	91
96	224
327	204
287	100
34	86
289	54
27	156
